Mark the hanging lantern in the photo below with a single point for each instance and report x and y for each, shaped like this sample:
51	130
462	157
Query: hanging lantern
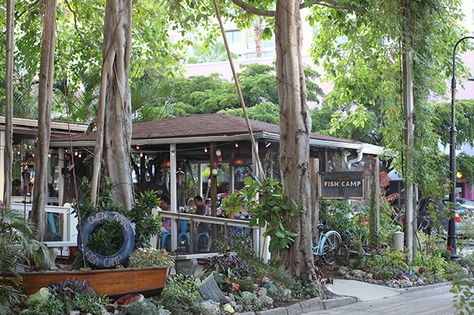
214	168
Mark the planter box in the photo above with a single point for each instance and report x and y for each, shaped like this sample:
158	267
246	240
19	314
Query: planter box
110	282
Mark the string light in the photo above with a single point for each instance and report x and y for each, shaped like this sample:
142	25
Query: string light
76	153
205	150
141	154
236	145
80	155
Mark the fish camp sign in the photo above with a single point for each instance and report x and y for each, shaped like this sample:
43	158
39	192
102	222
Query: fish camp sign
341	185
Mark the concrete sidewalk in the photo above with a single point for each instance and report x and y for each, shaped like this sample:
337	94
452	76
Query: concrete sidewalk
369	292
361	290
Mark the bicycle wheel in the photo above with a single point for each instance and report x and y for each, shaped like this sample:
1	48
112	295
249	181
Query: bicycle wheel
342	256
331	246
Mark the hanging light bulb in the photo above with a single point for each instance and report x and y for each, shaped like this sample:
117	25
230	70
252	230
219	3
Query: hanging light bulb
49	155
141	154
76	153
218	152
80	155
205	150
236	145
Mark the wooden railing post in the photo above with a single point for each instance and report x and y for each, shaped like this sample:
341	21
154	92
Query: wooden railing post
191	235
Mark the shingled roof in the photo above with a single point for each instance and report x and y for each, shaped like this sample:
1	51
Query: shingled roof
193	127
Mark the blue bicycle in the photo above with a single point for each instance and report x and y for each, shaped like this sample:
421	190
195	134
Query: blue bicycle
329	246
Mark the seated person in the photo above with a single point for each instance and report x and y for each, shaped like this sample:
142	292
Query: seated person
201	208
165	222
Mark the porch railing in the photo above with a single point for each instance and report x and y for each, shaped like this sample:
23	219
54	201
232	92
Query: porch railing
183	225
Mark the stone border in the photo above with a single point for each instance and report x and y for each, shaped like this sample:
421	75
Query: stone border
306	306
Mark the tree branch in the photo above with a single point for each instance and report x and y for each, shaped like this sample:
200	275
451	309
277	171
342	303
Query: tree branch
251	9
333	4
75	22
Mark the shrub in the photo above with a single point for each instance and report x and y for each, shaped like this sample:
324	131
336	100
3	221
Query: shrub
180	295
145	307
228	265
150	257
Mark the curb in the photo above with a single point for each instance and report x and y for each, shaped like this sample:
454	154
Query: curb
307	306
424	287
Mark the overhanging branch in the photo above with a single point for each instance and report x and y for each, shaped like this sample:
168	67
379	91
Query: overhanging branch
251	9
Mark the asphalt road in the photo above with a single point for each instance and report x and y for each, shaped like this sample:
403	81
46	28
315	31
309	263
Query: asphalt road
432	301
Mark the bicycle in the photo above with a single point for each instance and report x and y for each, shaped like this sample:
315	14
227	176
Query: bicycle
329	246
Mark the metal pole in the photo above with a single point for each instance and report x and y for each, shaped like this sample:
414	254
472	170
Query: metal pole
452	157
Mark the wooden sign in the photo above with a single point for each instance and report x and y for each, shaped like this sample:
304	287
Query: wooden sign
341	185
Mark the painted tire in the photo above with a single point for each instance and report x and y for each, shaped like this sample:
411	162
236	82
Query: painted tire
128	237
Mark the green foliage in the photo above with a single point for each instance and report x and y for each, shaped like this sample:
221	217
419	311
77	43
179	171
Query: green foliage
464	296
464	119
433	262
17	245
361	52
465	165
228	265
145	307
388	264
150	257
10	299
146	225
271	209
338	214
180	295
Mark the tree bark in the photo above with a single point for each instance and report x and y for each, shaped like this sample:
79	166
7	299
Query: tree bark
45	97
258	37
295	126
8	154
114	122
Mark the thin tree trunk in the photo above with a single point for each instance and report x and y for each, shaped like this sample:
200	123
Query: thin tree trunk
408	105
7	198
295	126
114	122
258	37
40	191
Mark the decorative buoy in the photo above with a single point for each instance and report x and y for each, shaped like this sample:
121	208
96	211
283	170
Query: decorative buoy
128	239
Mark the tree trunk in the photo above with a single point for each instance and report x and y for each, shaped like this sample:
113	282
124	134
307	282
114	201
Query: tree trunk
408	106
8	154
295	126
45	98
258	37
114	122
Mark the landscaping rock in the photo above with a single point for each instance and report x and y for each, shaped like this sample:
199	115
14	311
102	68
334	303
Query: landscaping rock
358	273
209	307
342	270
262	291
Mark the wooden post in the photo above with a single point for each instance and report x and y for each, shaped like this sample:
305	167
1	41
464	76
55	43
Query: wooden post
314	178
191	233
200	180
232	179
212	152
226	237
173	197
61	176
